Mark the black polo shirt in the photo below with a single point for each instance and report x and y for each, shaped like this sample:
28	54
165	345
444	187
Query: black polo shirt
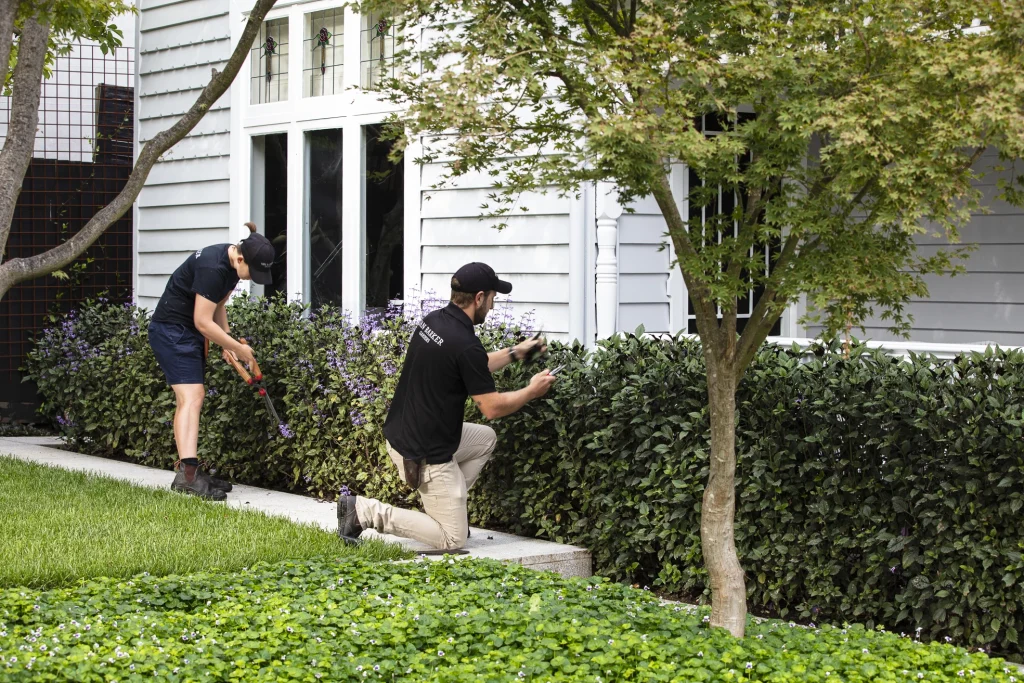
444	364
208	273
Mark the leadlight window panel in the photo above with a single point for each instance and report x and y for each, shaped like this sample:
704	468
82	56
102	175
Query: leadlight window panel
323	61
377	51
268	76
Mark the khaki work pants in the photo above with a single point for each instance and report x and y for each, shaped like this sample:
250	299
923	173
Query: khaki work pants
443	490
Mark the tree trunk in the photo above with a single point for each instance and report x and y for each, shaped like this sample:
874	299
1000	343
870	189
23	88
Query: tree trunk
718	510
728	589
21	132
21	269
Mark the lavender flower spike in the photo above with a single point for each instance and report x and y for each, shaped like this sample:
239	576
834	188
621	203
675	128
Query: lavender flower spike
285	432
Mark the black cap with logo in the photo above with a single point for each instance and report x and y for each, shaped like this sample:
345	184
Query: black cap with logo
259	256
477	277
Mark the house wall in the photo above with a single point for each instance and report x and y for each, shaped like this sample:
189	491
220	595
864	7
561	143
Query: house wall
987	303
185	202
533	252
643	270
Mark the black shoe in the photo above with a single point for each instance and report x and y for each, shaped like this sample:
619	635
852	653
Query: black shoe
349	527
189	480
216	483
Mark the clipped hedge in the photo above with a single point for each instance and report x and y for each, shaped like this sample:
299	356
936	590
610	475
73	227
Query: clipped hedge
869	489
446	622
331	382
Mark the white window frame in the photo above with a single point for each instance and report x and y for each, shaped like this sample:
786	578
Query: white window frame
350	110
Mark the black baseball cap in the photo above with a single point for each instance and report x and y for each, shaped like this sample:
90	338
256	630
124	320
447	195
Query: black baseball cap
259	256
478	277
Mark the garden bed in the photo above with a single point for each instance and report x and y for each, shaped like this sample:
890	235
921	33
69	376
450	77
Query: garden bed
448	621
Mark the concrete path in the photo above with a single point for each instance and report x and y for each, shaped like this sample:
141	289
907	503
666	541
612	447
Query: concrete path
534	553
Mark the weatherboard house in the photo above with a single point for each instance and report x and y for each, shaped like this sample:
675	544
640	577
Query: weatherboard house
294	146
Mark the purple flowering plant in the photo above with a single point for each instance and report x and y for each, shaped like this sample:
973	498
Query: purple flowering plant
331	379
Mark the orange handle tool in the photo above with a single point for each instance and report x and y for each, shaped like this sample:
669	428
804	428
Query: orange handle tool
255	366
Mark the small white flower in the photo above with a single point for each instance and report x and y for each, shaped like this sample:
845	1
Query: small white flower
440	653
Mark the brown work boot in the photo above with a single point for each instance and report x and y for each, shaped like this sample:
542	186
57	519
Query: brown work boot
349	527
215	483
191	480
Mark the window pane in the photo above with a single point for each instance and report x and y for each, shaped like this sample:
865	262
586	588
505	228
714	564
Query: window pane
268	78
378	50
324	212
324	54
270	203
385	223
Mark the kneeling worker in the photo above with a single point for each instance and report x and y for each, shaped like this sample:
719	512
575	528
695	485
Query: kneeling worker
435	452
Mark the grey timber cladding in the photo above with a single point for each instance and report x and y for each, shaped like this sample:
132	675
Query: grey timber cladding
184	204
532	252
643	269
986	303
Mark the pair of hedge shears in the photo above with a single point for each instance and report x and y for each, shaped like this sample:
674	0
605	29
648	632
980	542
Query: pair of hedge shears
255	380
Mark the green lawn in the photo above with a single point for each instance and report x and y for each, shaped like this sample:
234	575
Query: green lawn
58	526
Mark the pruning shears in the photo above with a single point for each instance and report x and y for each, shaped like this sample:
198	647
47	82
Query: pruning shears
255	380
534	352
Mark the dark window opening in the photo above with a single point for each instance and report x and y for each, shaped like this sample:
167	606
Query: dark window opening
324	216
385	224
270	194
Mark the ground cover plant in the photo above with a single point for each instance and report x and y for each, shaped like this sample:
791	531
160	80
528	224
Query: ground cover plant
57	527
445	620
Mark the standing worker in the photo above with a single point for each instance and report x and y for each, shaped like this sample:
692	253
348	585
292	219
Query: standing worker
191	311
435	452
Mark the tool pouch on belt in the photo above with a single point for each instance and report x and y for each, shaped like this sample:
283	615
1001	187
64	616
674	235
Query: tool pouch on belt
412	472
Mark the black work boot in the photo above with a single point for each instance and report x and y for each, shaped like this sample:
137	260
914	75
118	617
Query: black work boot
190	480
215	483
349	527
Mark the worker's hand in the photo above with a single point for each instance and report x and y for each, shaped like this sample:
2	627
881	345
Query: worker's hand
524	349
244	354
541	382
228	356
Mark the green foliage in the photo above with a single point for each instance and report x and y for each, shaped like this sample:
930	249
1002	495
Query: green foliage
331	383
72	21
842	129
43	544
441	621
871	490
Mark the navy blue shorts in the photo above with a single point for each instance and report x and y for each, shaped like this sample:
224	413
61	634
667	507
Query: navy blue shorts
179	352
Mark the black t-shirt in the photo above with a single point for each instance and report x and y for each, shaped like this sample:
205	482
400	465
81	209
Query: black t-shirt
208	273
445	364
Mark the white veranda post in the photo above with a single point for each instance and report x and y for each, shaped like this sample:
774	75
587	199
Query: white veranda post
607	264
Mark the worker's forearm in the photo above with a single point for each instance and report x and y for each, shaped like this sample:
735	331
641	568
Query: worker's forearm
511	401
212	331
496	360
220	317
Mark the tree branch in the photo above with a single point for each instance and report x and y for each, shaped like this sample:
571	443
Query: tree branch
759	325
21	133
19	270
597	9
8	11
706	312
